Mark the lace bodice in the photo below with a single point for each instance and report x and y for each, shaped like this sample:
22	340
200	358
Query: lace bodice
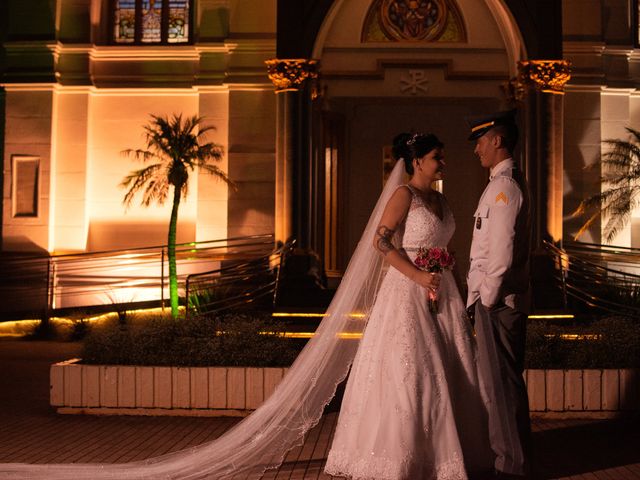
423	228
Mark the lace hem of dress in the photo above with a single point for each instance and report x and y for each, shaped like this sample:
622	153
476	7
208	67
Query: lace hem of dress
380	468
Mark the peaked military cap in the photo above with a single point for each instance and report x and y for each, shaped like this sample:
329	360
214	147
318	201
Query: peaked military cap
482	124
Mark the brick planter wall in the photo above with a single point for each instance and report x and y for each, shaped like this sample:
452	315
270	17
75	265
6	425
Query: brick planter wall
235	391
591	390
133	390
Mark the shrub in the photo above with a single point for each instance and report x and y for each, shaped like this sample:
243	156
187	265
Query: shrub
614	342
70	329
236	339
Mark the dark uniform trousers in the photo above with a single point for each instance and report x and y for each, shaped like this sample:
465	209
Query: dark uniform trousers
501	336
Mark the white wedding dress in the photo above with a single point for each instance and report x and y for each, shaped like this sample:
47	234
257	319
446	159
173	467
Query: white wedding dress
414	375
412	406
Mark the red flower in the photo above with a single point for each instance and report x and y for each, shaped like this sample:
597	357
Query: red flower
434	259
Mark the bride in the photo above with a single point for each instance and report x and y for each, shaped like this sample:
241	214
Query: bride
412	409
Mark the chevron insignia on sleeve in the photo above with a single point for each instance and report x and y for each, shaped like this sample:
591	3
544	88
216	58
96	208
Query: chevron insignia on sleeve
501	197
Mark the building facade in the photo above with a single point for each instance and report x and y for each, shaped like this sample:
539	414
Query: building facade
307	136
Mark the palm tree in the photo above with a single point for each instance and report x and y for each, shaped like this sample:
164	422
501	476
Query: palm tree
174	145
621	178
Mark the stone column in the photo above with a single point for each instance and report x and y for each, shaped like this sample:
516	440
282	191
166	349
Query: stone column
543	82
293	135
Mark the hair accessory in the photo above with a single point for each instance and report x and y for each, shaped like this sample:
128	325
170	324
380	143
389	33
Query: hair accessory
413	139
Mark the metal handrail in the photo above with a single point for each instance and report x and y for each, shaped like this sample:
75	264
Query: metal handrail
265	237
582	278
265	289
598	246
237	276
563	254
43	278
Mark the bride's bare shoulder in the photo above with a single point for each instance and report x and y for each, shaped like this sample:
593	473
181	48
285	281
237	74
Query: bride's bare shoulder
399	202
403	194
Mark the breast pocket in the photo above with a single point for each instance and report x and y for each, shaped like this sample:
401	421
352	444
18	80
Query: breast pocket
481	217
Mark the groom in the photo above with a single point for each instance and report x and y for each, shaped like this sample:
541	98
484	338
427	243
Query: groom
498	284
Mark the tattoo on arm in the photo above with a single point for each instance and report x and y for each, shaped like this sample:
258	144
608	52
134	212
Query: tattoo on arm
383	242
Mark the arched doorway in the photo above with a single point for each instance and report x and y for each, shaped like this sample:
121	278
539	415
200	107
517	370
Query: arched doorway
379	80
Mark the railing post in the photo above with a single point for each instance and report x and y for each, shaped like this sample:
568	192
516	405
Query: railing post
564	257
52	297
48	294
162	278
186	299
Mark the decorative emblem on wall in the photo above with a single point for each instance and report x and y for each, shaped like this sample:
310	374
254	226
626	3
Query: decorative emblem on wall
413	21
413	83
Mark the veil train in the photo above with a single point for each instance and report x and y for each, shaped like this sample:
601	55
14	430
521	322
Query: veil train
262	440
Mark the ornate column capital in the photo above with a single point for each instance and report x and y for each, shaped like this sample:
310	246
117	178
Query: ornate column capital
291	73
545	75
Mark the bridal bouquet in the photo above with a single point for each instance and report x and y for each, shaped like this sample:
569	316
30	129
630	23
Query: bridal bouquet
433	260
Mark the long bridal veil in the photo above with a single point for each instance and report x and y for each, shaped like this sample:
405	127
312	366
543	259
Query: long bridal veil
262	440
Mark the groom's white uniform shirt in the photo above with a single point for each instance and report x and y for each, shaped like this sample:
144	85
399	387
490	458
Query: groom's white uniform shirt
491	278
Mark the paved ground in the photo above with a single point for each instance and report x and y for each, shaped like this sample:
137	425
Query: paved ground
30	430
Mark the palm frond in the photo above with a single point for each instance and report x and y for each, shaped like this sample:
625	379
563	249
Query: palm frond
615	180
175	143
138	154
615	224
203	132
209	152
137	179
622	146
219	174
158	143
606	199
156	191
635	133
620	181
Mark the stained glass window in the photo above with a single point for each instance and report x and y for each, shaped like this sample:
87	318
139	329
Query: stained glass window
151	21
124	21
178	21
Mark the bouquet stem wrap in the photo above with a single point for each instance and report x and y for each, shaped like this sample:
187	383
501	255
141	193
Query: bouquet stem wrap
433	260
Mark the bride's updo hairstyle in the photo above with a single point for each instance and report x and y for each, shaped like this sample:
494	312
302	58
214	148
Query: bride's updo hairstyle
407	146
